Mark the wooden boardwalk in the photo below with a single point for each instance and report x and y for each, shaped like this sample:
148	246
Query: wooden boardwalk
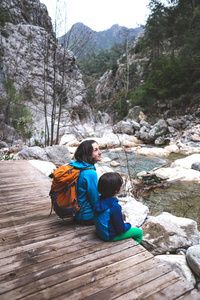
42	257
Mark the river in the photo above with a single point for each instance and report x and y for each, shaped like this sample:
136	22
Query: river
181	199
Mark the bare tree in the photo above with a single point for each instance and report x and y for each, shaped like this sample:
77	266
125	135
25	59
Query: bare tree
62	66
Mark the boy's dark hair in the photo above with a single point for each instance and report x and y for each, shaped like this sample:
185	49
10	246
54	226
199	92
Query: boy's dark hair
84	151
109	184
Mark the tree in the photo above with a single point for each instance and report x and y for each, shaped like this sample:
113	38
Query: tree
14	110
155	27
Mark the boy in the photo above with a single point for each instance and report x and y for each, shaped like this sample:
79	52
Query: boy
108	217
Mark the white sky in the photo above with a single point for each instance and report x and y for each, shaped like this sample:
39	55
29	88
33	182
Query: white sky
100	15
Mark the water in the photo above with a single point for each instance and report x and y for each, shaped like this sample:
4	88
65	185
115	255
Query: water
181	199
134	162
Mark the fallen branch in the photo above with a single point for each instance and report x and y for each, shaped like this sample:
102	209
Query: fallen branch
155	169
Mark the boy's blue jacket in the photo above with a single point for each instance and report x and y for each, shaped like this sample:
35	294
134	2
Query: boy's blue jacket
87	192
108	219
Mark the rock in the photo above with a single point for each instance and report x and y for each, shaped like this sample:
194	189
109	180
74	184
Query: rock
196	166
114	164
102	169
119	149
59	155
134	113
129	138
105	160
195	138
142	116
187	149
158	129
3	144
174	123
135	212
145	123
23	41
151	151
179	264
144	134
193	258
172	148
135	125
168	233
33	153
180	169
128	144
70	140
123	127
103	118
45	167
187	161
161	140
178	173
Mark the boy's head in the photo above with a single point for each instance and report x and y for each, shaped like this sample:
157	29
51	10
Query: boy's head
109	184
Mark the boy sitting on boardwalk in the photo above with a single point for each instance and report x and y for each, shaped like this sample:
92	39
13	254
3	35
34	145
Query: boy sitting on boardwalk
108	217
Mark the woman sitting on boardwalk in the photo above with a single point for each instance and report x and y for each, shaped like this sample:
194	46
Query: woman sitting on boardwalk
86	155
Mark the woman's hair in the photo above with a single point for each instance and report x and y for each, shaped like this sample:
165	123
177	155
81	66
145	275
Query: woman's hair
84	152
109	184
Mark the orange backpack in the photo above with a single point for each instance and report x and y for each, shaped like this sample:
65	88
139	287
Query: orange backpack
63	191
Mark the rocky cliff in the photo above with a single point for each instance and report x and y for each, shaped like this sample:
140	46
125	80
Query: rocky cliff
44	75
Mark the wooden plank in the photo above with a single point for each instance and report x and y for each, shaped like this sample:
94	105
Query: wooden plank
48	275
62	256
110	288
172	288
153	289
52	242
193	295
109	271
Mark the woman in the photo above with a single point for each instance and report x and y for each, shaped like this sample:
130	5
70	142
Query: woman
86	155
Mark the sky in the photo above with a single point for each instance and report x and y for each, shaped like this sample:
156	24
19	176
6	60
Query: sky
100	15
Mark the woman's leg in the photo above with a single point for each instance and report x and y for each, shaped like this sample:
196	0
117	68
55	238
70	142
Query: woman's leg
134	233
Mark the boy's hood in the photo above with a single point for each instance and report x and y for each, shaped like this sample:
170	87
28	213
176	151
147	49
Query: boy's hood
81	165
103	204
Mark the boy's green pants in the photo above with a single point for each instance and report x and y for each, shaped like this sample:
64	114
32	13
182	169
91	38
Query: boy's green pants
134	233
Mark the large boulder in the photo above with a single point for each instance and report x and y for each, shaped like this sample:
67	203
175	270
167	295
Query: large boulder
58	154
158	129
124	127
179	264
45	167
193	258
135	212
134	113
166	233
33	153
181	169
186	162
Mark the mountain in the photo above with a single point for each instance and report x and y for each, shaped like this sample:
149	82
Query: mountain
81	39
116	34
